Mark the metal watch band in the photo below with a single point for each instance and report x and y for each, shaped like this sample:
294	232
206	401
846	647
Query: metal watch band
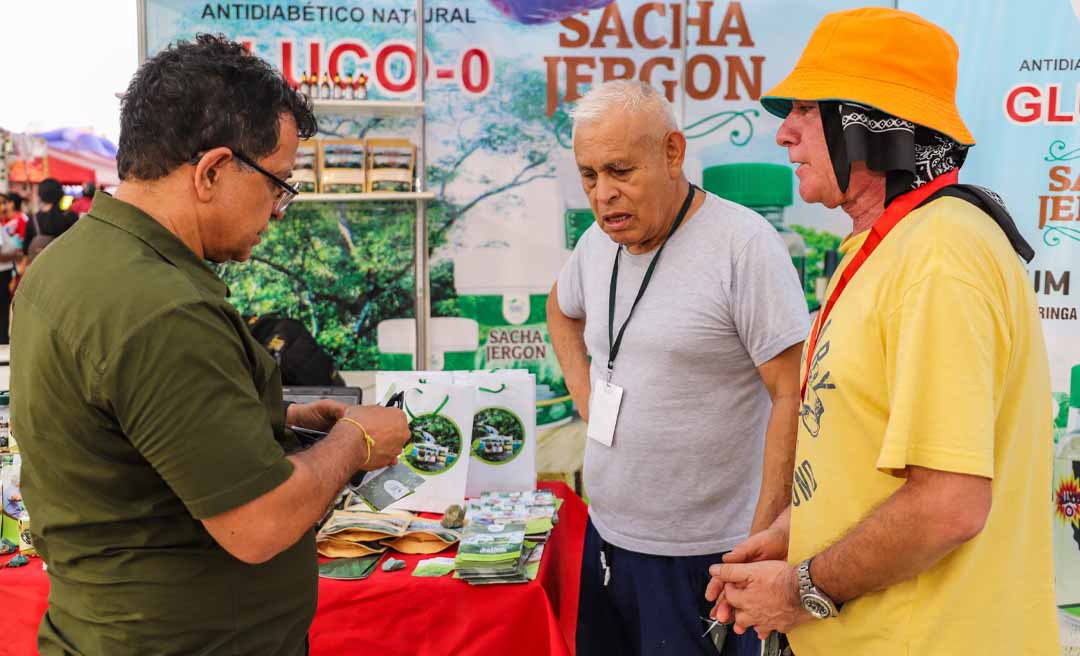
816	602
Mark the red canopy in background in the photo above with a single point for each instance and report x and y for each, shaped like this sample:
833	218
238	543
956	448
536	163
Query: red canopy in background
64	171
67	167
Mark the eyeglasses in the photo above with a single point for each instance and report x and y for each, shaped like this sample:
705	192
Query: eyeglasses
285	194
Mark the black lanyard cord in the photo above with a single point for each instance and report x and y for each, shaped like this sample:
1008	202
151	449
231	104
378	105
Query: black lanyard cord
615	342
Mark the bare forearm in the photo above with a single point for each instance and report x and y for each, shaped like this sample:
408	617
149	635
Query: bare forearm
276	520
783	521
780	375
903	537
568	340
319	473
780	435
574	361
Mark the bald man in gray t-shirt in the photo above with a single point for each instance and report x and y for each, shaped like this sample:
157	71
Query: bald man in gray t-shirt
702	447
681	477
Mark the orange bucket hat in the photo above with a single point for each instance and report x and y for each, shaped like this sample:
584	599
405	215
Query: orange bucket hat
894	61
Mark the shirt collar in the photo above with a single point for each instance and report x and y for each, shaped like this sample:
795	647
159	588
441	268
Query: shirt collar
145	228
853	243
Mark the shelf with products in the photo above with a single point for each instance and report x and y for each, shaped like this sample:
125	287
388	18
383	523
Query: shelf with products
373	196
369	169
357	169
338	107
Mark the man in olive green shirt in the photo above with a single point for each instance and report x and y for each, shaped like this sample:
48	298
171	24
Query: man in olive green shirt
172	507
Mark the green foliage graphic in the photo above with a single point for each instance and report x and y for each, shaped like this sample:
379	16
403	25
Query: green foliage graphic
498	435
434	444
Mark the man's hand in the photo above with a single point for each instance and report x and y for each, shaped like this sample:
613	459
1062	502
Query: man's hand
387	426
764	596
770	544
318	415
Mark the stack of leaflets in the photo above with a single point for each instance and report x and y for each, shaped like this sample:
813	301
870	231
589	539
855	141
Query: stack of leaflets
541	505
504	537
351	533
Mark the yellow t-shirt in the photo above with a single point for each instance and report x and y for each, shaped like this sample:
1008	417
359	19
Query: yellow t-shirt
933	357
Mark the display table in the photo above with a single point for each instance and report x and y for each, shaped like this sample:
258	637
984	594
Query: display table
395	613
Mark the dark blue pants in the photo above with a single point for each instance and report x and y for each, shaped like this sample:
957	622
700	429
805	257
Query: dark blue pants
651	605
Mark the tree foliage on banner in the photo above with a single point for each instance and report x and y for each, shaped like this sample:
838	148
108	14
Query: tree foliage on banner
436	429
341	268
501	420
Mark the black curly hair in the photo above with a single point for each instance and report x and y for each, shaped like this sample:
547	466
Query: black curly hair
199	95
50	191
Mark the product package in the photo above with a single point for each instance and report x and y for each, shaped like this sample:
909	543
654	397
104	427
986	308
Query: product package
424	536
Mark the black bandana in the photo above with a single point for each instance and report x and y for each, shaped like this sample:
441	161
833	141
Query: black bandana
910	155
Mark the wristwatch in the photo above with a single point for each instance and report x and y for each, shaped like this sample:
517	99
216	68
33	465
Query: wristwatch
816	602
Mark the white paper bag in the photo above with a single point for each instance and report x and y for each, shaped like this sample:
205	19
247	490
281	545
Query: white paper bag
503	445
388	383
440	419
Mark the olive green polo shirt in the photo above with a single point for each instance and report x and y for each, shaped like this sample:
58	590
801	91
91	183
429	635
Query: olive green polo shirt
142	404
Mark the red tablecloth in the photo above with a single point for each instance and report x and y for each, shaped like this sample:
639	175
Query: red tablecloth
395	613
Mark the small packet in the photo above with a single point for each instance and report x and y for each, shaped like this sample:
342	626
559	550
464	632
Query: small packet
434	567
336	548
349	569
387	486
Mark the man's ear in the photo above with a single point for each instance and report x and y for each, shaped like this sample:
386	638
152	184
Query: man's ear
208	171
675	152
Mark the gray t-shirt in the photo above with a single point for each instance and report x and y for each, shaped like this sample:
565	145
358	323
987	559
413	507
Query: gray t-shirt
683	473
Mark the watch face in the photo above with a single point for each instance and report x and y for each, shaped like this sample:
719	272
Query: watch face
816	607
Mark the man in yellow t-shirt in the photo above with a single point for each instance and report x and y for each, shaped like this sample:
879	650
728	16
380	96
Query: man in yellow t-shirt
918	522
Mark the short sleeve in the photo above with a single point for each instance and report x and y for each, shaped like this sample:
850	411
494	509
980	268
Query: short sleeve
942	347
184	393
571	287
768	306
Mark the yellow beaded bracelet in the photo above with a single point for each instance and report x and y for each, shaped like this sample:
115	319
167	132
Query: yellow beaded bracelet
368	439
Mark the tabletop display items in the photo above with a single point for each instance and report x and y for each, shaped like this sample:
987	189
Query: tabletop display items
505	535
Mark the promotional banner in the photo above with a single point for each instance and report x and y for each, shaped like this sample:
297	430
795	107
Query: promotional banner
509	205
1019	88
501	75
